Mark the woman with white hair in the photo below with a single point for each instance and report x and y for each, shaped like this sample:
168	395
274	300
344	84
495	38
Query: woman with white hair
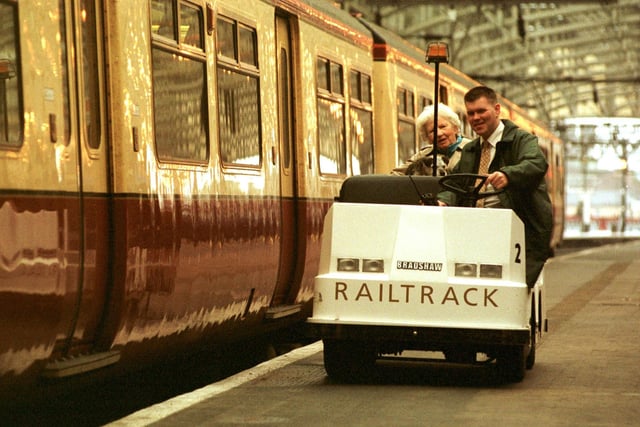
449	143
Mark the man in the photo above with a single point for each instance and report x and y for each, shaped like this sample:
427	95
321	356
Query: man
517	165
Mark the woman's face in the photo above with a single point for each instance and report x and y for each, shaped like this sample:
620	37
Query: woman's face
447	133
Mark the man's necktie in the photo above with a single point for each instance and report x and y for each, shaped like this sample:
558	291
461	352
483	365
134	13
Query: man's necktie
483	169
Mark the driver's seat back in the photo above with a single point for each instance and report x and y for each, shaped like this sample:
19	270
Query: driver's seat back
391	189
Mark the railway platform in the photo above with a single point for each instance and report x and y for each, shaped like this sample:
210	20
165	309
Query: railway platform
586	372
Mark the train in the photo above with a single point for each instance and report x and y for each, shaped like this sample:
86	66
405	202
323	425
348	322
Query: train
166	166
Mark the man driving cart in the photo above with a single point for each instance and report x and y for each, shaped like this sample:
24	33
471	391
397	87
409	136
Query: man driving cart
516	165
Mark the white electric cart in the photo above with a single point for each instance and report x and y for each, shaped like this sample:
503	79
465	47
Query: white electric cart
398	273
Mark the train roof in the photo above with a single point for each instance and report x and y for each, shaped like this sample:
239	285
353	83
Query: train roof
386	37
330	17
393	41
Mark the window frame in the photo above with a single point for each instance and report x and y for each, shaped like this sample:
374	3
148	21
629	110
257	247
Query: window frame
358	102
406	114
177	46
237	65
13	72
335	97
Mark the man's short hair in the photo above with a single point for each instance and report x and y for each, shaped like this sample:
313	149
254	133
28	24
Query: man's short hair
481	91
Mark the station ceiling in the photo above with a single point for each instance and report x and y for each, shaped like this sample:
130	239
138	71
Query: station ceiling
557	60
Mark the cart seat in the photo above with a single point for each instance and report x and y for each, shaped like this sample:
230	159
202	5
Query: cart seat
390	189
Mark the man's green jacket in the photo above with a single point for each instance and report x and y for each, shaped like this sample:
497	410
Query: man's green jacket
520	158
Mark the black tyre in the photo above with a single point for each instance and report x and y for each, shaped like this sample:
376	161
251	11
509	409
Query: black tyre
531	357
348	361
511	363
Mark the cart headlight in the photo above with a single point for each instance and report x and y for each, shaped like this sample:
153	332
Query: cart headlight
464	269
348	264
491	271
369	265
373	265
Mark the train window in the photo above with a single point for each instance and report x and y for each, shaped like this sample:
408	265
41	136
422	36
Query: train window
362	141
360	87
410	105
226	38
423	102
331	132
406	125
361	121
91	77
247	46
406	141
245	50
10	79
191	26
354	85
322	73
444	95
366	88
329	75
336	79
179	88
238	94
401	101
64	73
331	118
162	18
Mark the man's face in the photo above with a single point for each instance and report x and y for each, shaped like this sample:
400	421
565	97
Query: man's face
483	116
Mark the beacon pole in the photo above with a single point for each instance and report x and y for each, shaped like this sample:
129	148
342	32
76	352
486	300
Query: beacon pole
437	52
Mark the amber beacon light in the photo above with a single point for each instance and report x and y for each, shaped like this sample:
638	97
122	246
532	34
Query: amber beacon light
438	52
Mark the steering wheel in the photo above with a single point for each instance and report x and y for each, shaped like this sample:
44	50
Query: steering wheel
467	186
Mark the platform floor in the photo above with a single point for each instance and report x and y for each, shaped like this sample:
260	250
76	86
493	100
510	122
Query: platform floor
587	371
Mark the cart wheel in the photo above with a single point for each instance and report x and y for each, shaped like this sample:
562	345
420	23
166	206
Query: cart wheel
531	357
511	363
348	361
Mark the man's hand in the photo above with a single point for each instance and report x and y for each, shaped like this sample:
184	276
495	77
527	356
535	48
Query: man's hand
498	180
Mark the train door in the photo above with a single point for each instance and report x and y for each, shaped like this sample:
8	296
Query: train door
84	34
280	305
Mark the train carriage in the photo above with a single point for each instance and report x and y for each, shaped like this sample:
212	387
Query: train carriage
166	167
162	181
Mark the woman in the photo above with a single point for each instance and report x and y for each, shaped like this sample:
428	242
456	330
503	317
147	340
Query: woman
449	143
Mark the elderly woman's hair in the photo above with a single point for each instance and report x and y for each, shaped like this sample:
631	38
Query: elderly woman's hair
444	112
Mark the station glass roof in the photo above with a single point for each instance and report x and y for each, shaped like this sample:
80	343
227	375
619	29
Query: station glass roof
557	60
